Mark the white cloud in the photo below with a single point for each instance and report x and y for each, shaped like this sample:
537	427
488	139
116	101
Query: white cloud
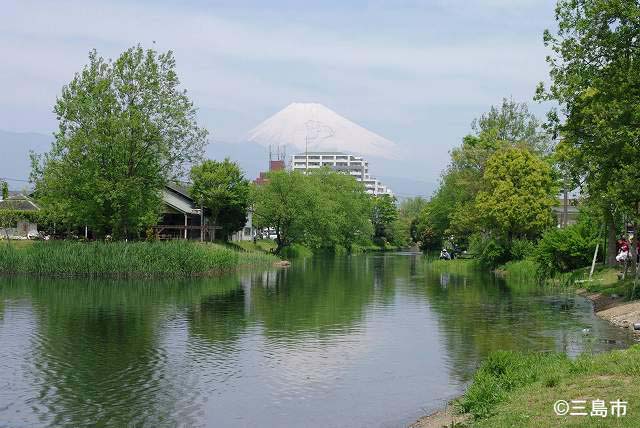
253	65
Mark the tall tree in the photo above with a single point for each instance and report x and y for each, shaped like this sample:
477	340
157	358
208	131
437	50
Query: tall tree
324	209
452	210
342	216
518	196
286	203
224	191
125	129
383	214
595	78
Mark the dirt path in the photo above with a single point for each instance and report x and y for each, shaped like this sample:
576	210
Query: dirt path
616	310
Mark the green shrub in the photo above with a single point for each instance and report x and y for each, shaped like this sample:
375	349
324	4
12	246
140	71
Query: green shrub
562	250
489	251
429	240
504	371
522	249
296	251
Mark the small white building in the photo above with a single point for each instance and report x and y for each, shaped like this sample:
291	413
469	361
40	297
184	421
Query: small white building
247	232
355	166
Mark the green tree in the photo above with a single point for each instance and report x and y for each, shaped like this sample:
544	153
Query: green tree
410	208
286	203
383	214
452	210
8	216
595	79
324	209
125	129
224	191
519	194
342	216
408	213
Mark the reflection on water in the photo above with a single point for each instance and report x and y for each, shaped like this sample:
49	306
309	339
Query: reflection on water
356	341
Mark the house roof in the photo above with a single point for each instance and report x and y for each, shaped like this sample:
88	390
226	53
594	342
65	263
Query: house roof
19	202
181	188
178	197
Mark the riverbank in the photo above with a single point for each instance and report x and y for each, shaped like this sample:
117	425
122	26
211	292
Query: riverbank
299	250
612	298
519	389
516	389
125	260
513	389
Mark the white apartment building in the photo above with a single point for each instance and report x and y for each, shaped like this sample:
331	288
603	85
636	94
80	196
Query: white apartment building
355	166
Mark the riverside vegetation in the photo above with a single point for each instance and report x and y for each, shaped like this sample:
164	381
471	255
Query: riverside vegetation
122	259
515	389
126	129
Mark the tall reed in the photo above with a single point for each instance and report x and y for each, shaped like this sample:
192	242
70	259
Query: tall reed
122	259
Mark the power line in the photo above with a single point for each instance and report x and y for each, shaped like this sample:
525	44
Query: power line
15	179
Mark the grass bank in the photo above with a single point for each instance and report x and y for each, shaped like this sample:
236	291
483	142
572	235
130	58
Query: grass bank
301	251
460	266
514	389
264	245
121	259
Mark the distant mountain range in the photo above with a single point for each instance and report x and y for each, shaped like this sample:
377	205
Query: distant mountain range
253	157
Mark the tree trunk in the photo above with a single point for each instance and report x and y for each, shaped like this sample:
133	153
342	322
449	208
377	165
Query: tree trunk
611	241
634	257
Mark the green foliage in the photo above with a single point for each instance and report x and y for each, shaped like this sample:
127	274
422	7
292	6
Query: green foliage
121	259
405	230
410	208
9	218
561	250
521	270
595	74
341	216
429	239
5	190
518	195
383	214
503	372
324	209
295	251
453	210
522	249
125	129
489	251
519	389
224	191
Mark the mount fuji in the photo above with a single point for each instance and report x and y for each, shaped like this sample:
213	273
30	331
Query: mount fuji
314	127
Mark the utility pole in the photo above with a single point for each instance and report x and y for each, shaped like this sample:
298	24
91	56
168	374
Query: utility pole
201	223
565	211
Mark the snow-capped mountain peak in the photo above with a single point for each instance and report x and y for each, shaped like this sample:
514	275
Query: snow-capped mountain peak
314	127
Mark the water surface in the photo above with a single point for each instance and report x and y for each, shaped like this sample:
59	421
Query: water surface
372	340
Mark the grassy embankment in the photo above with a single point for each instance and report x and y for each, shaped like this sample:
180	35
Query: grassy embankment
121	259
298	250
604	280
519	390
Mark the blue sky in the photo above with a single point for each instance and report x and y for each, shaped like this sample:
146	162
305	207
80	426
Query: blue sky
414	72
